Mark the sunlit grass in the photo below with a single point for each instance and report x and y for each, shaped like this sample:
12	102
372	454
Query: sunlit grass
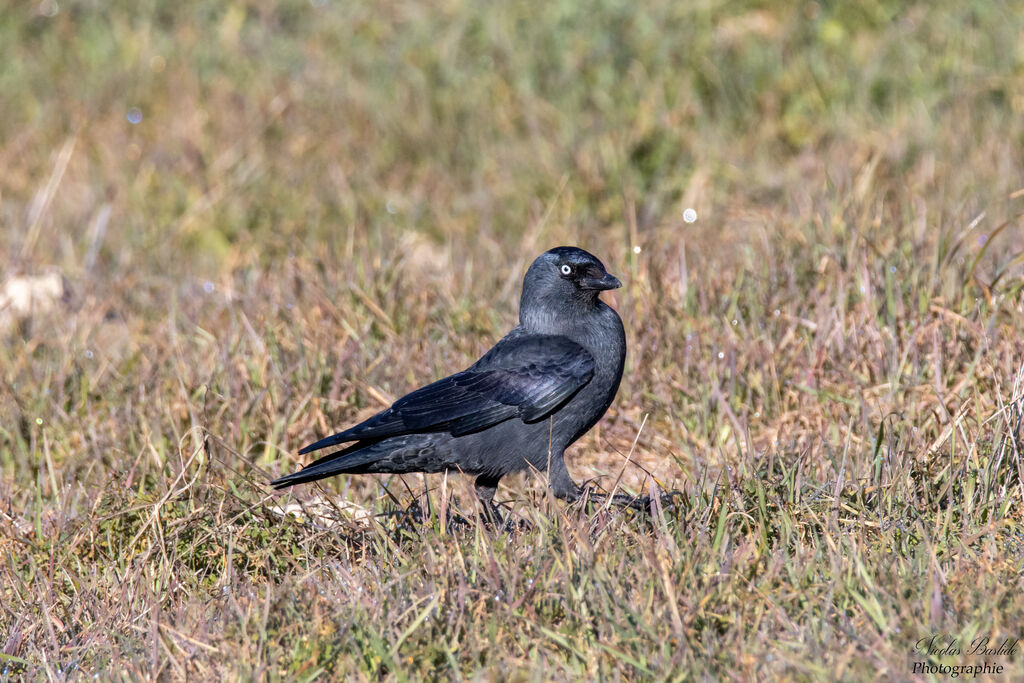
269	223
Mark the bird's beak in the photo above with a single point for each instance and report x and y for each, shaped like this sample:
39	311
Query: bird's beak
607	281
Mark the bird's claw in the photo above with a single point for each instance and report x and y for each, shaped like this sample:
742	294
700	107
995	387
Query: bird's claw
667	500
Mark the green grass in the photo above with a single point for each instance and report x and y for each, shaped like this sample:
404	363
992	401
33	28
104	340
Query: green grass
323	207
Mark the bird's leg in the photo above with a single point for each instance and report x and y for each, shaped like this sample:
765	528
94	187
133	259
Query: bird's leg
564	487
485	489
559	481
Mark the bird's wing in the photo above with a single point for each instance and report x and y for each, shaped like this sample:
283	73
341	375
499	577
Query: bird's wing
527	377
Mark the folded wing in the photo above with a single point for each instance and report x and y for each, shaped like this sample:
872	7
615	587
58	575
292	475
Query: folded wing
525	377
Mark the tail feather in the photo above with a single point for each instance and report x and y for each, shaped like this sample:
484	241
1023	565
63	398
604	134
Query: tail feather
352	460
327	442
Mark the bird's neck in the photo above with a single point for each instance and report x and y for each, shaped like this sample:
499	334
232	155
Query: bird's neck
539	317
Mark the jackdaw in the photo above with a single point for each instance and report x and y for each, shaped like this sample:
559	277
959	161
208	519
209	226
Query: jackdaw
521	405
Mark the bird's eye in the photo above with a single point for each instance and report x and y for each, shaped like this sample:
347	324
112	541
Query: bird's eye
566	269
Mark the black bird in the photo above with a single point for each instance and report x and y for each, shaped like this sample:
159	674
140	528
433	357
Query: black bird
521	405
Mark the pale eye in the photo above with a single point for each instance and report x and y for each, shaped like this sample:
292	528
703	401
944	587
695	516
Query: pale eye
566	269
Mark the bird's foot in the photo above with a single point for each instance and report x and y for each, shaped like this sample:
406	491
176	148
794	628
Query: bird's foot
667	500
492	516
493	519
638	503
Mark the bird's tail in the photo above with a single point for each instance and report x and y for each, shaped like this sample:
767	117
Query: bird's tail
352	460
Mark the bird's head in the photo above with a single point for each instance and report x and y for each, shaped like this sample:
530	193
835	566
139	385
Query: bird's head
562	281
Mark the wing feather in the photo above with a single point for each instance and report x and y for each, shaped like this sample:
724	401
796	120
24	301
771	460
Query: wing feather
524	376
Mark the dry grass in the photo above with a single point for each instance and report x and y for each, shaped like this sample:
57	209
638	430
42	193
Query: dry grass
322	207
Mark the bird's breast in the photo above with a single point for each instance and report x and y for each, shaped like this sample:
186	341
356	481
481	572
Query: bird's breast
605	339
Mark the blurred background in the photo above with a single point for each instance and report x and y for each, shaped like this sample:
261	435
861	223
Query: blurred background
195	139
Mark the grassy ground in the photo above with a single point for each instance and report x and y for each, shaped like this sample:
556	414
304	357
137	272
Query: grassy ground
271	221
